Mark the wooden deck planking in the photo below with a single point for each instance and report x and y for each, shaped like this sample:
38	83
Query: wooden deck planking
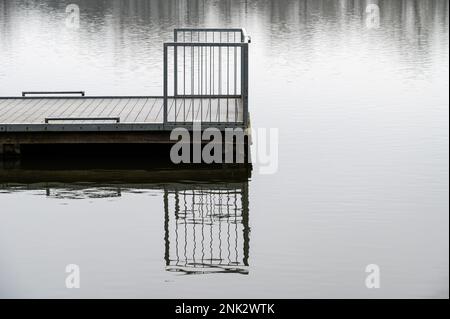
129	109
96	112
60	107
15	106
159	116
129	106
5	105
12	109
72	107
83	109
214	109
175	105
205	110
145	110
16	115
191	111
108	108
134	112
91	109
198	105
189	108
240	110
114	111
40	112
171	109
232	110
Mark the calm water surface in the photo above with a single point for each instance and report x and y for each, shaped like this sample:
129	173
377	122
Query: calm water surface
363	157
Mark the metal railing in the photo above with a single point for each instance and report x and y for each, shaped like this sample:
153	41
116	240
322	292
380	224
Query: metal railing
214	35
63	119
207	64
82	93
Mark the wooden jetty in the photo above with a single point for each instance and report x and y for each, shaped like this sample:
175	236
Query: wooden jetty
205	81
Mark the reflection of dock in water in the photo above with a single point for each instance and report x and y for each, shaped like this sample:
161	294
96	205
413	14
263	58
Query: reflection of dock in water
207	228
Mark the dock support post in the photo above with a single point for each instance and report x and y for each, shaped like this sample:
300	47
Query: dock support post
10	150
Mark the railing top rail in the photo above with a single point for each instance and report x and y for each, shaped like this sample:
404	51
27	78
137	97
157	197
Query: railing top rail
205	44
210	29
244	35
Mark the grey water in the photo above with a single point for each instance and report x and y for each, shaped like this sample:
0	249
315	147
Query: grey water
362	176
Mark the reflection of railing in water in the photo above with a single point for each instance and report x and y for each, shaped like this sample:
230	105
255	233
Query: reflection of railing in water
207	229
206	219
67	191
71	192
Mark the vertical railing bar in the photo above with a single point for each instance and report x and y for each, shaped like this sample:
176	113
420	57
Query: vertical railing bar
245	115
213	78
228	73
184	77
242	78
201	91
201	69
175	58
210	78
235	79
198	68
165	84
235	66
192	68
192	65
220	77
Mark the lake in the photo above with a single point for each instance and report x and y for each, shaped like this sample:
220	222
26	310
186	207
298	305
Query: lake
358	93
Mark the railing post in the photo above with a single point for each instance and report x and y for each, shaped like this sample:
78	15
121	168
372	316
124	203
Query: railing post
244	84
166	74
